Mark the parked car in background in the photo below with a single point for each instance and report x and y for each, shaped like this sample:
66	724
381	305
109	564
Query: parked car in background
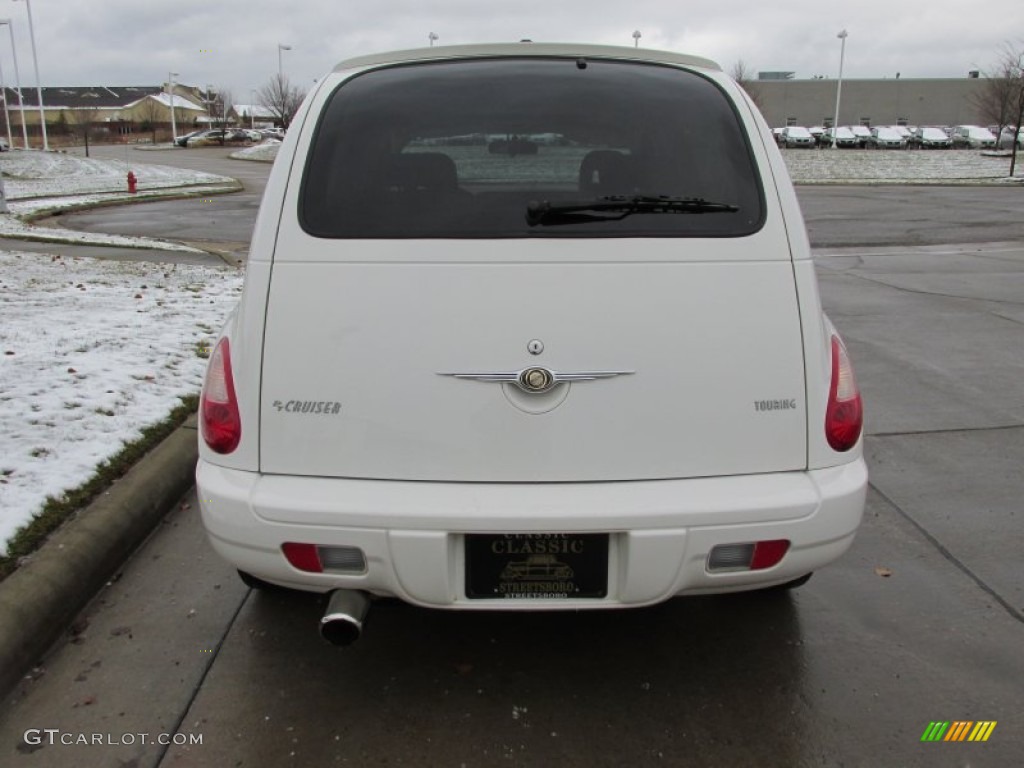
973	137
777	134
411	402
863	134
182	141
4	146
844	138
796	137
207	138
217	137
930	137
886	138
903	131
272	133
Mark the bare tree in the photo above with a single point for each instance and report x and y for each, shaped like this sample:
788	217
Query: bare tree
281	98
1001	98
82	118
218	104
151	111
744	76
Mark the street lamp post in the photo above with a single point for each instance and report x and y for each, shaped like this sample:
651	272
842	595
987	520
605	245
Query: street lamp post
252	109
39	86
636	38
432	37
17	82
280	67
170	88
7	115
839	88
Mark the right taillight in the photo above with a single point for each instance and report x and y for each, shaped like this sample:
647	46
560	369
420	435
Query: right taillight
844	416
218	407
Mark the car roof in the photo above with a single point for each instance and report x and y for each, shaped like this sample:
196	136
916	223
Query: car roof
581	50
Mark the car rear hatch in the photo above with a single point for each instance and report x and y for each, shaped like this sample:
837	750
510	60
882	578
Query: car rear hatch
407	308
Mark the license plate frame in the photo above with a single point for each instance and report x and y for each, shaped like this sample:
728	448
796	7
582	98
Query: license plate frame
537	566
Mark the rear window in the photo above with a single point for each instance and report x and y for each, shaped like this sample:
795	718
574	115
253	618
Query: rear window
467	149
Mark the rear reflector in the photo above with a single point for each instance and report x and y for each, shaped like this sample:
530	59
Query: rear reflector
747	557
768	553
313	559
302	556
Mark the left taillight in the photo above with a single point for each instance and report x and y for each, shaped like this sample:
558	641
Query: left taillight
219	421
844	416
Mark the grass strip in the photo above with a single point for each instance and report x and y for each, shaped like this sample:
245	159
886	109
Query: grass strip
55	511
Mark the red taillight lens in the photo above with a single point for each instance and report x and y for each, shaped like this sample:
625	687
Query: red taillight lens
218	407
303	556
844	416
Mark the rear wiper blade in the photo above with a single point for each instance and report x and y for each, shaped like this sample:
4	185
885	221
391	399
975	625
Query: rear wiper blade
617	207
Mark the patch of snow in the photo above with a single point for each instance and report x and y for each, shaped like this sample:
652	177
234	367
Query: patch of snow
853	166
92	351
30	174
265	152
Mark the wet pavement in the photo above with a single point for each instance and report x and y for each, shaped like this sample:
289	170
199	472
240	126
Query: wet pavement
922	621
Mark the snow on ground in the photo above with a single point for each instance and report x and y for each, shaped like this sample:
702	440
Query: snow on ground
47	174
264	152
810	166
91	351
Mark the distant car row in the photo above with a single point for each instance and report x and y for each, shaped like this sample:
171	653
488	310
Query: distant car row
897	137
217	136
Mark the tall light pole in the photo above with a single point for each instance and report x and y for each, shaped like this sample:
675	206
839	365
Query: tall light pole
17	82
170	88
252	109
839	88
39	86
280	67
636	38
7	115
432	37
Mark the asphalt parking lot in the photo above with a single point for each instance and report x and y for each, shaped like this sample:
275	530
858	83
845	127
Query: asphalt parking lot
922	621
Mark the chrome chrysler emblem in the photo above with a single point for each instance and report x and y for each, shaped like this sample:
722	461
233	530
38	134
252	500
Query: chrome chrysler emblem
534	380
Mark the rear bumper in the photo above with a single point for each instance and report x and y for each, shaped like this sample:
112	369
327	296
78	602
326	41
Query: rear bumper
412	533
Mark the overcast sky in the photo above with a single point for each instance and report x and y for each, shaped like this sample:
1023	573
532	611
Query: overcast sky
233	44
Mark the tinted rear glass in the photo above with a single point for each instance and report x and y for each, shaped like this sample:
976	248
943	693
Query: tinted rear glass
461	149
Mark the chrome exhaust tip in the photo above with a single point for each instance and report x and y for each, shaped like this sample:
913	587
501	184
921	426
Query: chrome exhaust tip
342	622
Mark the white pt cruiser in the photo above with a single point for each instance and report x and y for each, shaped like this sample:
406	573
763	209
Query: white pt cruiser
529	327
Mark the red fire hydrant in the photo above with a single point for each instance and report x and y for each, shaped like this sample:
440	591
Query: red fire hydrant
132	181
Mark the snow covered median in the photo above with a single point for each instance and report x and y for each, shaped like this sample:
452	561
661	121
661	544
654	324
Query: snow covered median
30	174
861	166
265	152
92	351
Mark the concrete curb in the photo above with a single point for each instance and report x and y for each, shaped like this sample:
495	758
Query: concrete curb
40	599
